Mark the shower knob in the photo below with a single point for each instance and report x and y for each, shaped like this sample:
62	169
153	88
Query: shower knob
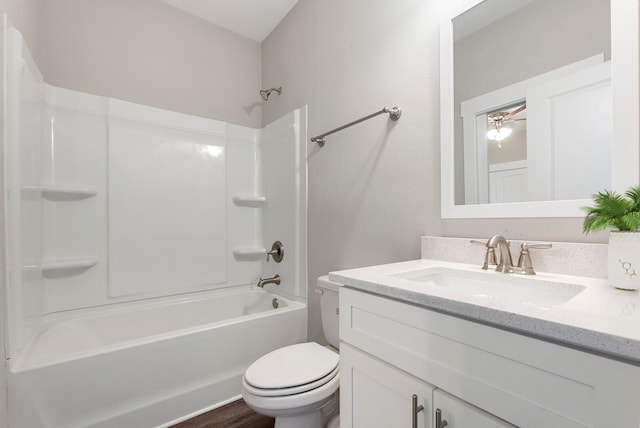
277	252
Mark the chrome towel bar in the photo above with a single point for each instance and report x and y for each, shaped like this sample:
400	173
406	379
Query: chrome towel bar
394	114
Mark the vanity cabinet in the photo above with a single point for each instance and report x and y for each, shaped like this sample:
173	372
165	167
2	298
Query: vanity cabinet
382	396
476	375
379	394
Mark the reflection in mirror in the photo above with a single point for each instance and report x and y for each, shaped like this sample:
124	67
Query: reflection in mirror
539	71
507	154
500	127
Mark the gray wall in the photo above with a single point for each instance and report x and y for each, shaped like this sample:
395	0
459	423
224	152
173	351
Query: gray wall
147	52
540	37
374	189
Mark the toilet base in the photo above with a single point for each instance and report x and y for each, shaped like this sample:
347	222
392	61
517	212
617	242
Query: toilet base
316	419
334	422
309	420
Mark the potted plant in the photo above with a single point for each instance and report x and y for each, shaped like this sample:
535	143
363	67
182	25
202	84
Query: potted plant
622	213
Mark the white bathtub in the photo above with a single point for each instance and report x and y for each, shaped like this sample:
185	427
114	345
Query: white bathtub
147	365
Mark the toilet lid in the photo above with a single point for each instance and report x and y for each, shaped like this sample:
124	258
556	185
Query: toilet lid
292	366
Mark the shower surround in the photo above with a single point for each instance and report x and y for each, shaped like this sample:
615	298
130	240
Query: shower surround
124	218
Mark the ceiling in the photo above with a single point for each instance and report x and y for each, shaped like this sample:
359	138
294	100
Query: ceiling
254	19
484	14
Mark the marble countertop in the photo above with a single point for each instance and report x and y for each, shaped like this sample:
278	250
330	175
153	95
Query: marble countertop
598	319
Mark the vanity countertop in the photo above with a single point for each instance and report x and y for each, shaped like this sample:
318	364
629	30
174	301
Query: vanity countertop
599	319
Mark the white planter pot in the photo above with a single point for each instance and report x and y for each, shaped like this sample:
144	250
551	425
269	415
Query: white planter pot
624	260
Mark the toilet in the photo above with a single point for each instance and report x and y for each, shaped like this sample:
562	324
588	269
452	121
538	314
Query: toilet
298	384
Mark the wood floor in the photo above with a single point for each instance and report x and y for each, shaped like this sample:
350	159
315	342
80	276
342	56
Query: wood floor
233	415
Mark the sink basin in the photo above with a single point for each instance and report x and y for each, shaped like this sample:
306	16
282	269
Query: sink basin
489	285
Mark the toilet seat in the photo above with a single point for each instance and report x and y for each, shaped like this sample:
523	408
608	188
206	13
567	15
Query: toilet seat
291	370
292	404
299	389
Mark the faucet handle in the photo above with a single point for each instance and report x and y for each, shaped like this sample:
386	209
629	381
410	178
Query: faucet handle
490	255
524	261
277	252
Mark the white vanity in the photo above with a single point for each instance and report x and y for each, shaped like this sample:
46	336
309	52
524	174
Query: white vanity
481	349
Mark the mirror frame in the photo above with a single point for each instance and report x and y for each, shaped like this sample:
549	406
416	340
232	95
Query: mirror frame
625	75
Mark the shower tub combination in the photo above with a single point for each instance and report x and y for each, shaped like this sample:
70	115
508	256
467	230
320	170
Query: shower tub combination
135	243
148	364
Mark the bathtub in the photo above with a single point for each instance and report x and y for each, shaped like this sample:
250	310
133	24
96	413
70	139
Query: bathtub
149	364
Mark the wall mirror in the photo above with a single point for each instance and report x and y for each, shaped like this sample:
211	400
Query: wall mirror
538	99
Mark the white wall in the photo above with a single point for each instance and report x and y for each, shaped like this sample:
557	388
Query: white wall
149	164
150	53
111	201
283	181
374	189
23	14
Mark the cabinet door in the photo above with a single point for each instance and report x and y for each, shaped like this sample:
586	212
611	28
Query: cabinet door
460	414
374	394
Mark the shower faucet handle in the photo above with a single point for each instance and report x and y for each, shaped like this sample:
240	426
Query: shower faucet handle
277	252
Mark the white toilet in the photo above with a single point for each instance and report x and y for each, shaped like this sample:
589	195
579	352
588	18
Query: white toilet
298	384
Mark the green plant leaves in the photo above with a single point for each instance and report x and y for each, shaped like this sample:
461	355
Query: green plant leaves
634	195
611	209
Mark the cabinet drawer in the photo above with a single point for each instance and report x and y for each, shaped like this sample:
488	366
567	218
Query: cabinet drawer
522	380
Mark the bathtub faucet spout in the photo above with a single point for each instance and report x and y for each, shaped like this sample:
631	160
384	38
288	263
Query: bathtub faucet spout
275	280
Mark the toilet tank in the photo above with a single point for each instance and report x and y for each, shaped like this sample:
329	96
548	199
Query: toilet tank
329	309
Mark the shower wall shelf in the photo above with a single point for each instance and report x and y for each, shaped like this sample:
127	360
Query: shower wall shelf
62	193
63	264
249	253
253	201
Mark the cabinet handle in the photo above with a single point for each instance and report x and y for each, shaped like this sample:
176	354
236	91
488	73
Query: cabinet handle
415	409
439	422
